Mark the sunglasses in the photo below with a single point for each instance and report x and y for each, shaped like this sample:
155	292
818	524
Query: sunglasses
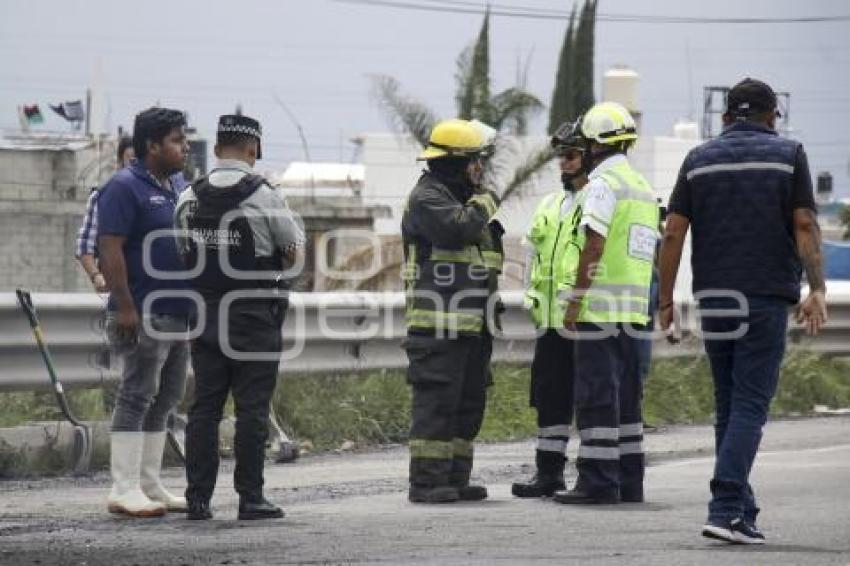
570	153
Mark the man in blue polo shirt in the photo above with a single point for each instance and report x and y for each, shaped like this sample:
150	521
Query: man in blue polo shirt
148	320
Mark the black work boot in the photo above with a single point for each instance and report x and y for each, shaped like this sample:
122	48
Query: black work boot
459	477
199	510
433	494
429	481
548	479
254	509
631	494
540	485
577	496
472	492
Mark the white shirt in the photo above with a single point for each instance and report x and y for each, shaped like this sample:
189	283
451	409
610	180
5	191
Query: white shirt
600	200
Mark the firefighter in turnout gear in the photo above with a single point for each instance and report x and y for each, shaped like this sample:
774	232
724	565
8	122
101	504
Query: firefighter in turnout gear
550	269
453	256
242	236
618	230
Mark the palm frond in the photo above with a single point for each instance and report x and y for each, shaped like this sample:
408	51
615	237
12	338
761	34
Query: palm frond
404	113
512	106
502	164
535	161
523	68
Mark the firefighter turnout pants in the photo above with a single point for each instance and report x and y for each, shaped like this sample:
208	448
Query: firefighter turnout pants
449	378
608	394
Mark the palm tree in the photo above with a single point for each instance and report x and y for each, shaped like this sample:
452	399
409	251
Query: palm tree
507	111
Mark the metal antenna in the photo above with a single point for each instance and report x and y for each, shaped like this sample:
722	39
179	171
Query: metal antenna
304	145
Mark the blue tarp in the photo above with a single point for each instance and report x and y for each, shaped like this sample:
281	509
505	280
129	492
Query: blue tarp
836	257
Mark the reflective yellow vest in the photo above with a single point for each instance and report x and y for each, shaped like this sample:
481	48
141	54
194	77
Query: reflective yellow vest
621	284
553	266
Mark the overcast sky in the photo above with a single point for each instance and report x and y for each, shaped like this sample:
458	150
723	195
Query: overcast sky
205	56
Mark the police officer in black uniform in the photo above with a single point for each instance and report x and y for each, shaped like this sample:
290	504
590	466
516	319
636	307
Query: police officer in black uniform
234	214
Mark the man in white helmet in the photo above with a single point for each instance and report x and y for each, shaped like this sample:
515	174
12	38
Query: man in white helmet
617	229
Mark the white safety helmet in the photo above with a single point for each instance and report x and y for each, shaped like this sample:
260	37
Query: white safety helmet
608	123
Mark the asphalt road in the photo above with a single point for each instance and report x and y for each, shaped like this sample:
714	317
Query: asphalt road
351	509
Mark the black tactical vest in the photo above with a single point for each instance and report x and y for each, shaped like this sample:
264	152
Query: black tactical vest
215	229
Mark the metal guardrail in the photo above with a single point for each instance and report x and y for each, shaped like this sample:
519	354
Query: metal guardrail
324	332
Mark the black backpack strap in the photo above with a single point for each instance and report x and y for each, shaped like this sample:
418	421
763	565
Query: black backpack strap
249	185
201	187
227	196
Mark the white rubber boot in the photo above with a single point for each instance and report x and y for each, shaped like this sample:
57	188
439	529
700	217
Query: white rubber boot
152	486
125	463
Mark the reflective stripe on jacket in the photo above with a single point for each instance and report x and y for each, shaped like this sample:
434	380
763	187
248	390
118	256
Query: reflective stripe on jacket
452	259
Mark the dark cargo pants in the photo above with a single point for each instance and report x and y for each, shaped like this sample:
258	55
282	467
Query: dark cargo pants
608	395
253	328
449	378
552	395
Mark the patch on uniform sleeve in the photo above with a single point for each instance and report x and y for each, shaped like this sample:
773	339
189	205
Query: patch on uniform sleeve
642	241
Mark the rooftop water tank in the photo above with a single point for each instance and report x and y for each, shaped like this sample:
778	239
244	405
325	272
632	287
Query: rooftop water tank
620	84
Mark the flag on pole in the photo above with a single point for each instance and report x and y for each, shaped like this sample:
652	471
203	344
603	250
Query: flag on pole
71	111
32	114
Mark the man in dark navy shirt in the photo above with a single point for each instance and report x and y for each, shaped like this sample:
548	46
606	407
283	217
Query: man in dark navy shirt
148	319
747	196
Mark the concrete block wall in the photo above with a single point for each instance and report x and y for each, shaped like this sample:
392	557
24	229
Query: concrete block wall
36	252
42	201
43	176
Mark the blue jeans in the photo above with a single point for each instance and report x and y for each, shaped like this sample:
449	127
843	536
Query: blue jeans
154	375
746	374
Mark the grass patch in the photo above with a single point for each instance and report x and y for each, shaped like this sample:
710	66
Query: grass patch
809	380
678	391
327	410
681	390
22	407
374	407
369	408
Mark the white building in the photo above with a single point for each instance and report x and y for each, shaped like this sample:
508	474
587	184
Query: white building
45	179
